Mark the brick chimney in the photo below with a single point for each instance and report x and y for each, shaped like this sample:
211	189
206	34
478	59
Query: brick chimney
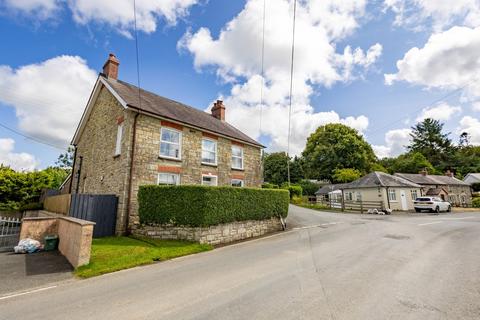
110	68
218	110
424	172
449	174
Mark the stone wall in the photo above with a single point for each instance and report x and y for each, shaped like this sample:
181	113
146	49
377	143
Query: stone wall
38	227
223	233
102	171
148	164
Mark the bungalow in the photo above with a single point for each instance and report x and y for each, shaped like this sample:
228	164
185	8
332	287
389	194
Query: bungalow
472	178
392	192
447	187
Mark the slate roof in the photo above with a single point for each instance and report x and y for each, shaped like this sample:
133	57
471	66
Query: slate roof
431	179
170	109
380	179
329	188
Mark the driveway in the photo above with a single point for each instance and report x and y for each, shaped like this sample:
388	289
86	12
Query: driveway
19	272
328	266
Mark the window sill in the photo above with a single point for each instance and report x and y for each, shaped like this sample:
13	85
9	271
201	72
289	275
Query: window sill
238	169
209	164
170	159
117	156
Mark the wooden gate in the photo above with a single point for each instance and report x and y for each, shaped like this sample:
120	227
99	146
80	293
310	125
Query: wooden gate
99	208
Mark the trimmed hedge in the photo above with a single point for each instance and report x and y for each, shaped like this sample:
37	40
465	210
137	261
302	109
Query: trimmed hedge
202	206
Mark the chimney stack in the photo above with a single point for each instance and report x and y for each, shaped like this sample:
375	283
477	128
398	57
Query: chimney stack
110	68
218	110
449	174
424	172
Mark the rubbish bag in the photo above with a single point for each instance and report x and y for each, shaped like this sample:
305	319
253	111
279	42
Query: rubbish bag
27	246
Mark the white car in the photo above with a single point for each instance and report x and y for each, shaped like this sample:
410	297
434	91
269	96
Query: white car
432	204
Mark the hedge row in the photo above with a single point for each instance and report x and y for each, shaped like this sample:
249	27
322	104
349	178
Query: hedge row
204	206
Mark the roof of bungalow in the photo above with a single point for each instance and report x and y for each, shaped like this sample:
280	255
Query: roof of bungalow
380	179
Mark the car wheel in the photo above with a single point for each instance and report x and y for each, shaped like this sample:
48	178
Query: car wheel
418	210
437	210
449	209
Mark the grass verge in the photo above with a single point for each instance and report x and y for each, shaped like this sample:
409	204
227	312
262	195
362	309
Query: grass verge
116	253
318	207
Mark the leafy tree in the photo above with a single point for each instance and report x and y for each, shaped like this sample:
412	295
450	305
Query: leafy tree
275	168
378	167
65	160
346	175
309	188
428	139
336	146
412	162
466	160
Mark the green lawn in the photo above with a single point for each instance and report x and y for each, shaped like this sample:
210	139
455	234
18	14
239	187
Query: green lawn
117	253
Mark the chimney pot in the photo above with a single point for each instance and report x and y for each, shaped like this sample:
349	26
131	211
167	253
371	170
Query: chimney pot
218	110
110	68
449	174
423	172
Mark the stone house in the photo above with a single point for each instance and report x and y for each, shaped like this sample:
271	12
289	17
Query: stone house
393	192
449	188
128	137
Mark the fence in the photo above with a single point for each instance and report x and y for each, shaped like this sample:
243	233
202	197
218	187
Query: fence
361	206
58	204
9	233
99	208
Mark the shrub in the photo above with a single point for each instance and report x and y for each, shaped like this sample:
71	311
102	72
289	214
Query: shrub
268	185
296	200
476	203
205	206
295	190
308	188
31	206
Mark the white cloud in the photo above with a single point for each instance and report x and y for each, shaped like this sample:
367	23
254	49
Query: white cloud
395	142
442	112
440	14
236	57
471	125
42	9
117	14
48	97
17	161
449	60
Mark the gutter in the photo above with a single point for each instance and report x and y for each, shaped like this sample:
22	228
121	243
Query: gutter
72	174
388	199
130	178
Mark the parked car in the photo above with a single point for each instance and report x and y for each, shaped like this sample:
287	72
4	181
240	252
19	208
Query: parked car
433	204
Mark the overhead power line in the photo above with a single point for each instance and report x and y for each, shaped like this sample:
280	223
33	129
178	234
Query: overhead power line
37	140
291	89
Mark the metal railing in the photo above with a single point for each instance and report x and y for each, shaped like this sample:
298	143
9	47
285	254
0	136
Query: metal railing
9	232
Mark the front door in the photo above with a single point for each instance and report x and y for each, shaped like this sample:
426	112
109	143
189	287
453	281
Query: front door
403	199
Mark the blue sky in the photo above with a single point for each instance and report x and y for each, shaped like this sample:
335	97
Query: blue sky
378	66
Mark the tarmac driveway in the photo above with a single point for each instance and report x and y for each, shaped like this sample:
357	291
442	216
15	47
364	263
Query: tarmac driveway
20	272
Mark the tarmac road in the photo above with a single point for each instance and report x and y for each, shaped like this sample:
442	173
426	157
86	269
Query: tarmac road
328	266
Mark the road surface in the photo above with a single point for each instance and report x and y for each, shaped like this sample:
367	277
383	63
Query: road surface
329	266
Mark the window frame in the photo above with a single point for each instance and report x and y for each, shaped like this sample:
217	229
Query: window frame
413	192
241	157
242	183
216	152
118	141
390	192
210	176
168	142
168	173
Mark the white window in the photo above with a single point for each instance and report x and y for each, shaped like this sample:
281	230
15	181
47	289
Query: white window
349	196
118	145
237	183
208	180
237	157
169	179
414	194
359	196
170	143
392	195
209	151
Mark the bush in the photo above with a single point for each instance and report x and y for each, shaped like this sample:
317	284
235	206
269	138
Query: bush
202	206
296	200
476	203
295	190
308	188
268	185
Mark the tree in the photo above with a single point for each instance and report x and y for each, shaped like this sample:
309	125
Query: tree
336	146
65	160
428	139
464	140
275	168
346	175
412	162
